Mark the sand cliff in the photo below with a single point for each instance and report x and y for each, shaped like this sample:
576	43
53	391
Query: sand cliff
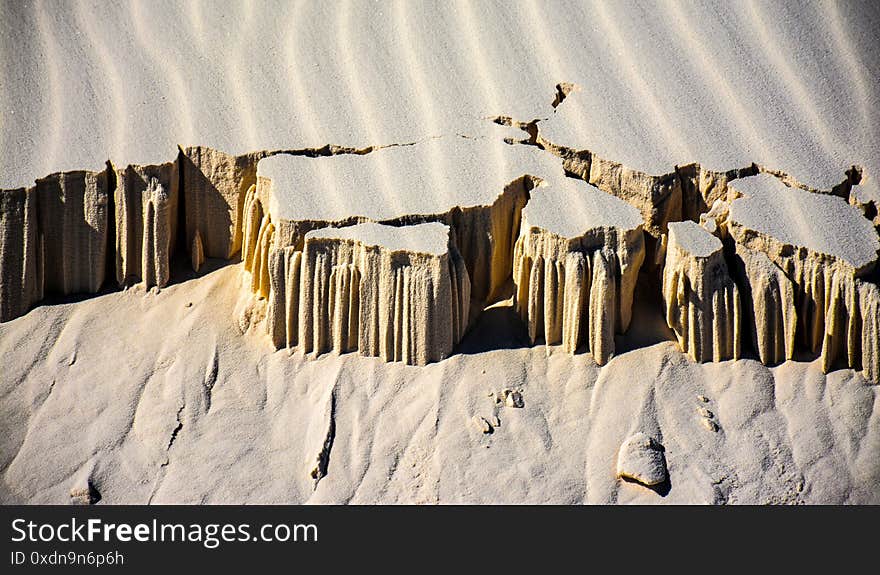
809	285
146	206
575	266
768	286
399	293
702	301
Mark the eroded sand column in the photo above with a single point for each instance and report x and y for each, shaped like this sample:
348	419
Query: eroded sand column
21	266
809	286
73	216
575	266
702	301
146	223
398	293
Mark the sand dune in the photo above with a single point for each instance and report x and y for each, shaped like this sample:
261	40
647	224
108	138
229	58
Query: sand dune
177	395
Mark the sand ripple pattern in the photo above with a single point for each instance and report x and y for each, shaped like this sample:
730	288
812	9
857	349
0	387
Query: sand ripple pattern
795	90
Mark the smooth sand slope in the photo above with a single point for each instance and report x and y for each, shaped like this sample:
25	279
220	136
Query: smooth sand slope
198	393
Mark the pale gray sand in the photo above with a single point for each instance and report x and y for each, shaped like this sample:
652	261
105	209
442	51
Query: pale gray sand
821	223
431	238
794	87
569	208
200	414
580	124
694	239
431	177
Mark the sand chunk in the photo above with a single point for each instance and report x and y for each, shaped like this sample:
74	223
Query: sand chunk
146	202
478	187
791	224
481	424
84	494
702	301
399	293
575	266
641	459
512	398
20	254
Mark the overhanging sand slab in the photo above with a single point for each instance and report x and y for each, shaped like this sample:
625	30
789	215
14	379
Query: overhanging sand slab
477	186
778	220
805	260
428	178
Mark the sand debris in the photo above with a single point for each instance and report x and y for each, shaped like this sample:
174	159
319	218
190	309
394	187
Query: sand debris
510	398
84	494
482	424
641	459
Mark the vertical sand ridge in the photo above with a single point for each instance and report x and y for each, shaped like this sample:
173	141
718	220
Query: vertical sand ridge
21	283
399	306
73	219
702	301
144	249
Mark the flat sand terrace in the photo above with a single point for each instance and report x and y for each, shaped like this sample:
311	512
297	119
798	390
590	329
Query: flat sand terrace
569	208
694	239
820	223
428	178
430	238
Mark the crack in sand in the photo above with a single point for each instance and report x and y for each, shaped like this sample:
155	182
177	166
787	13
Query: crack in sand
563	89
322	461
211	378
175	431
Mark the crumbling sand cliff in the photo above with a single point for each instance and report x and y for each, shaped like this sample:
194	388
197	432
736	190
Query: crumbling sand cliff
399	293
319	276
702	301
575	266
